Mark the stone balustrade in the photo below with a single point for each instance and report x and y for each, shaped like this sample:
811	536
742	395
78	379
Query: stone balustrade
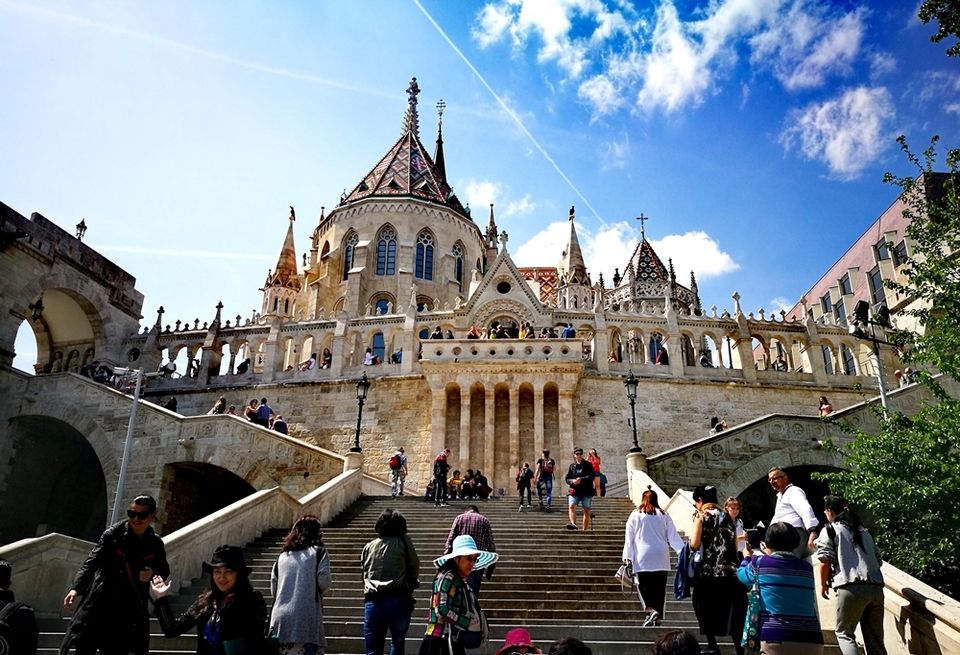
503	350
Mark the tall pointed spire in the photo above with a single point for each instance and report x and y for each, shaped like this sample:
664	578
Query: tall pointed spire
411	121
572	264
286	269
438	153
491	233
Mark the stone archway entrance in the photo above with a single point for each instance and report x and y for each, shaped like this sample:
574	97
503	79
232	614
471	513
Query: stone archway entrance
759	499
55	482
192	490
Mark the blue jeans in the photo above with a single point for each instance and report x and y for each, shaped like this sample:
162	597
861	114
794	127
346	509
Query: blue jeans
548	492
380	615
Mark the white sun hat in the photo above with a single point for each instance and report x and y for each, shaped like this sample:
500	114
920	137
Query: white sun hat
465	545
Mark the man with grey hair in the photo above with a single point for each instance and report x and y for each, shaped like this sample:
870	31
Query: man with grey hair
793	508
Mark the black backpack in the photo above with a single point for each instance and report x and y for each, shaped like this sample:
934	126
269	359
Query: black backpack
7	639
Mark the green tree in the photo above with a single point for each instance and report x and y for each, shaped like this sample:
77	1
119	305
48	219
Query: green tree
908	474
947	14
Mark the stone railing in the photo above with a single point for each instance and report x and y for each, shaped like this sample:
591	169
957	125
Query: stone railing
44	568
502	350
917	617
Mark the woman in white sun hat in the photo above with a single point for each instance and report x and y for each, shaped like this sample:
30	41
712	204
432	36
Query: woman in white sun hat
452	602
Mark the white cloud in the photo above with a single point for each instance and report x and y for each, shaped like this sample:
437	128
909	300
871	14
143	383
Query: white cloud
664	62
847	133
614	154
952	108
481	193
551	21
520	207
780	303
882	63
694	251
613	244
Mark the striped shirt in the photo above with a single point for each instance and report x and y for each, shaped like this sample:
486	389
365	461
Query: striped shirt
448	604
788	598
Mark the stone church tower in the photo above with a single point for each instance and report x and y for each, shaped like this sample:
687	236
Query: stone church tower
283	283
574	288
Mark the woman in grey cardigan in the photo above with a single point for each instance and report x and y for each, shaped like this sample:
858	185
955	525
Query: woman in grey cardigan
299	578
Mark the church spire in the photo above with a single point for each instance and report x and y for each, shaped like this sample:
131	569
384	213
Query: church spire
411	121
572	263
438	153
287	263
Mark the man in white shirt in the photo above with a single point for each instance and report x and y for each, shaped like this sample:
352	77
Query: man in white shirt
793	508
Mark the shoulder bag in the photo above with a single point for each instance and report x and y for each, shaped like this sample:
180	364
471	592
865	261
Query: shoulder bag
751	627
475	637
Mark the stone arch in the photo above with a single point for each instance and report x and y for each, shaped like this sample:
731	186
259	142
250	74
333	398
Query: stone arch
54	465
193	490
617	346
381	302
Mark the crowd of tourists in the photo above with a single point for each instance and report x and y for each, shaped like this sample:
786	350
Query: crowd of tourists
757	590
523	330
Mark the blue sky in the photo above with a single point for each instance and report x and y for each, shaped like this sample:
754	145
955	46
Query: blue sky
754	133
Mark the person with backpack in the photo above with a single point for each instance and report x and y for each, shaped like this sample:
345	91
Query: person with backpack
849	562
543	474
440	469
398	472
18	625
719	599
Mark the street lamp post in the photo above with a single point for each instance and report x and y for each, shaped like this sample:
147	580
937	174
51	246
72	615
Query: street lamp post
631	385
362	385
881	317
118	501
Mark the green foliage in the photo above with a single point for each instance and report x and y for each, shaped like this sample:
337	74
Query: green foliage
907	476
947	14
933	269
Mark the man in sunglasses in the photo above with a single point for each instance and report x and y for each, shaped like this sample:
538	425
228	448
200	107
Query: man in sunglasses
112	617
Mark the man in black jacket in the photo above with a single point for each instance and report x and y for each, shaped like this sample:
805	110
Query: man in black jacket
580	479
113	615
18	616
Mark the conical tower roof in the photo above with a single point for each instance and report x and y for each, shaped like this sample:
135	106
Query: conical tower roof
572	267
407	169
647	266
286	270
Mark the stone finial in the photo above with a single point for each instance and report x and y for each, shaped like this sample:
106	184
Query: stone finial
320	312
459	303
178	326
238	319
301	316
411	121
196	324
503	239
369	310
159	316
736	303
760	312
713	308
389	307
783	315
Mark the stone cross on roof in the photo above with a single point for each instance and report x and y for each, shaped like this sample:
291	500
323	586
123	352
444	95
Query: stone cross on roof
504	238
411	122
643	219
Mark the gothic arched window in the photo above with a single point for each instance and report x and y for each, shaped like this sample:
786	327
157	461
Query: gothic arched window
350	246
458	264
386	251
424	268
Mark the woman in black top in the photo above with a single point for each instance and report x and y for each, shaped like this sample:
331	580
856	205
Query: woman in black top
229	617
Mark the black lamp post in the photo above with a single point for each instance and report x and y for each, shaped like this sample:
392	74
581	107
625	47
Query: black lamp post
362	385
36	308
631	385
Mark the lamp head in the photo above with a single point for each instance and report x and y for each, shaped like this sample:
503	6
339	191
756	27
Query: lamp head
362	385
631	385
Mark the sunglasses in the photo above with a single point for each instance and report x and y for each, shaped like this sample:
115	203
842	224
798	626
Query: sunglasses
138	515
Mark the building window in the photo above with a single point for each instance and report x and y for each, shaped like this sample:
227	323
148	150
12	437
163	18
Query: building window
876	286
827	358
849	366
386	251
378	345
424	268
826	305
882	251
839	313
845	288
458	264
348	252
900	254
382	306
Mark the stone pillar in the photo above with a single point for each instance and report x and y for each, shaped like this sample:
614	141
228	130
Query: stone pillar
565	411
675	351
271	352
464	427
538	418
515	427
353	462
489	431
745	350
636	462
438	423
601	348
233	361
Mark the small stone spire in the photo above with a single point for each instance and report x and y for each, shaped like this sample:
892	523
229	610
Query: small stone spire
411	122
438	153
491	233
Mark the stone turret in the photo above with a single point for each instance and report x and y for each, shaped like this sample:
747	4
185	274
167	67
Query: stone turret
490	238
574	288
284	282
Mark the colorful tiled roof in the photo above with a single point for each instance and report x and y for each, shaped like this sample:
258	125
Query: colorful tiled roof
548	278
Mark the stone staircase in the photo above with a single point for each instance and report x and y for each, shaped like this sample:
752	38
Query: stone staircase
552	581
